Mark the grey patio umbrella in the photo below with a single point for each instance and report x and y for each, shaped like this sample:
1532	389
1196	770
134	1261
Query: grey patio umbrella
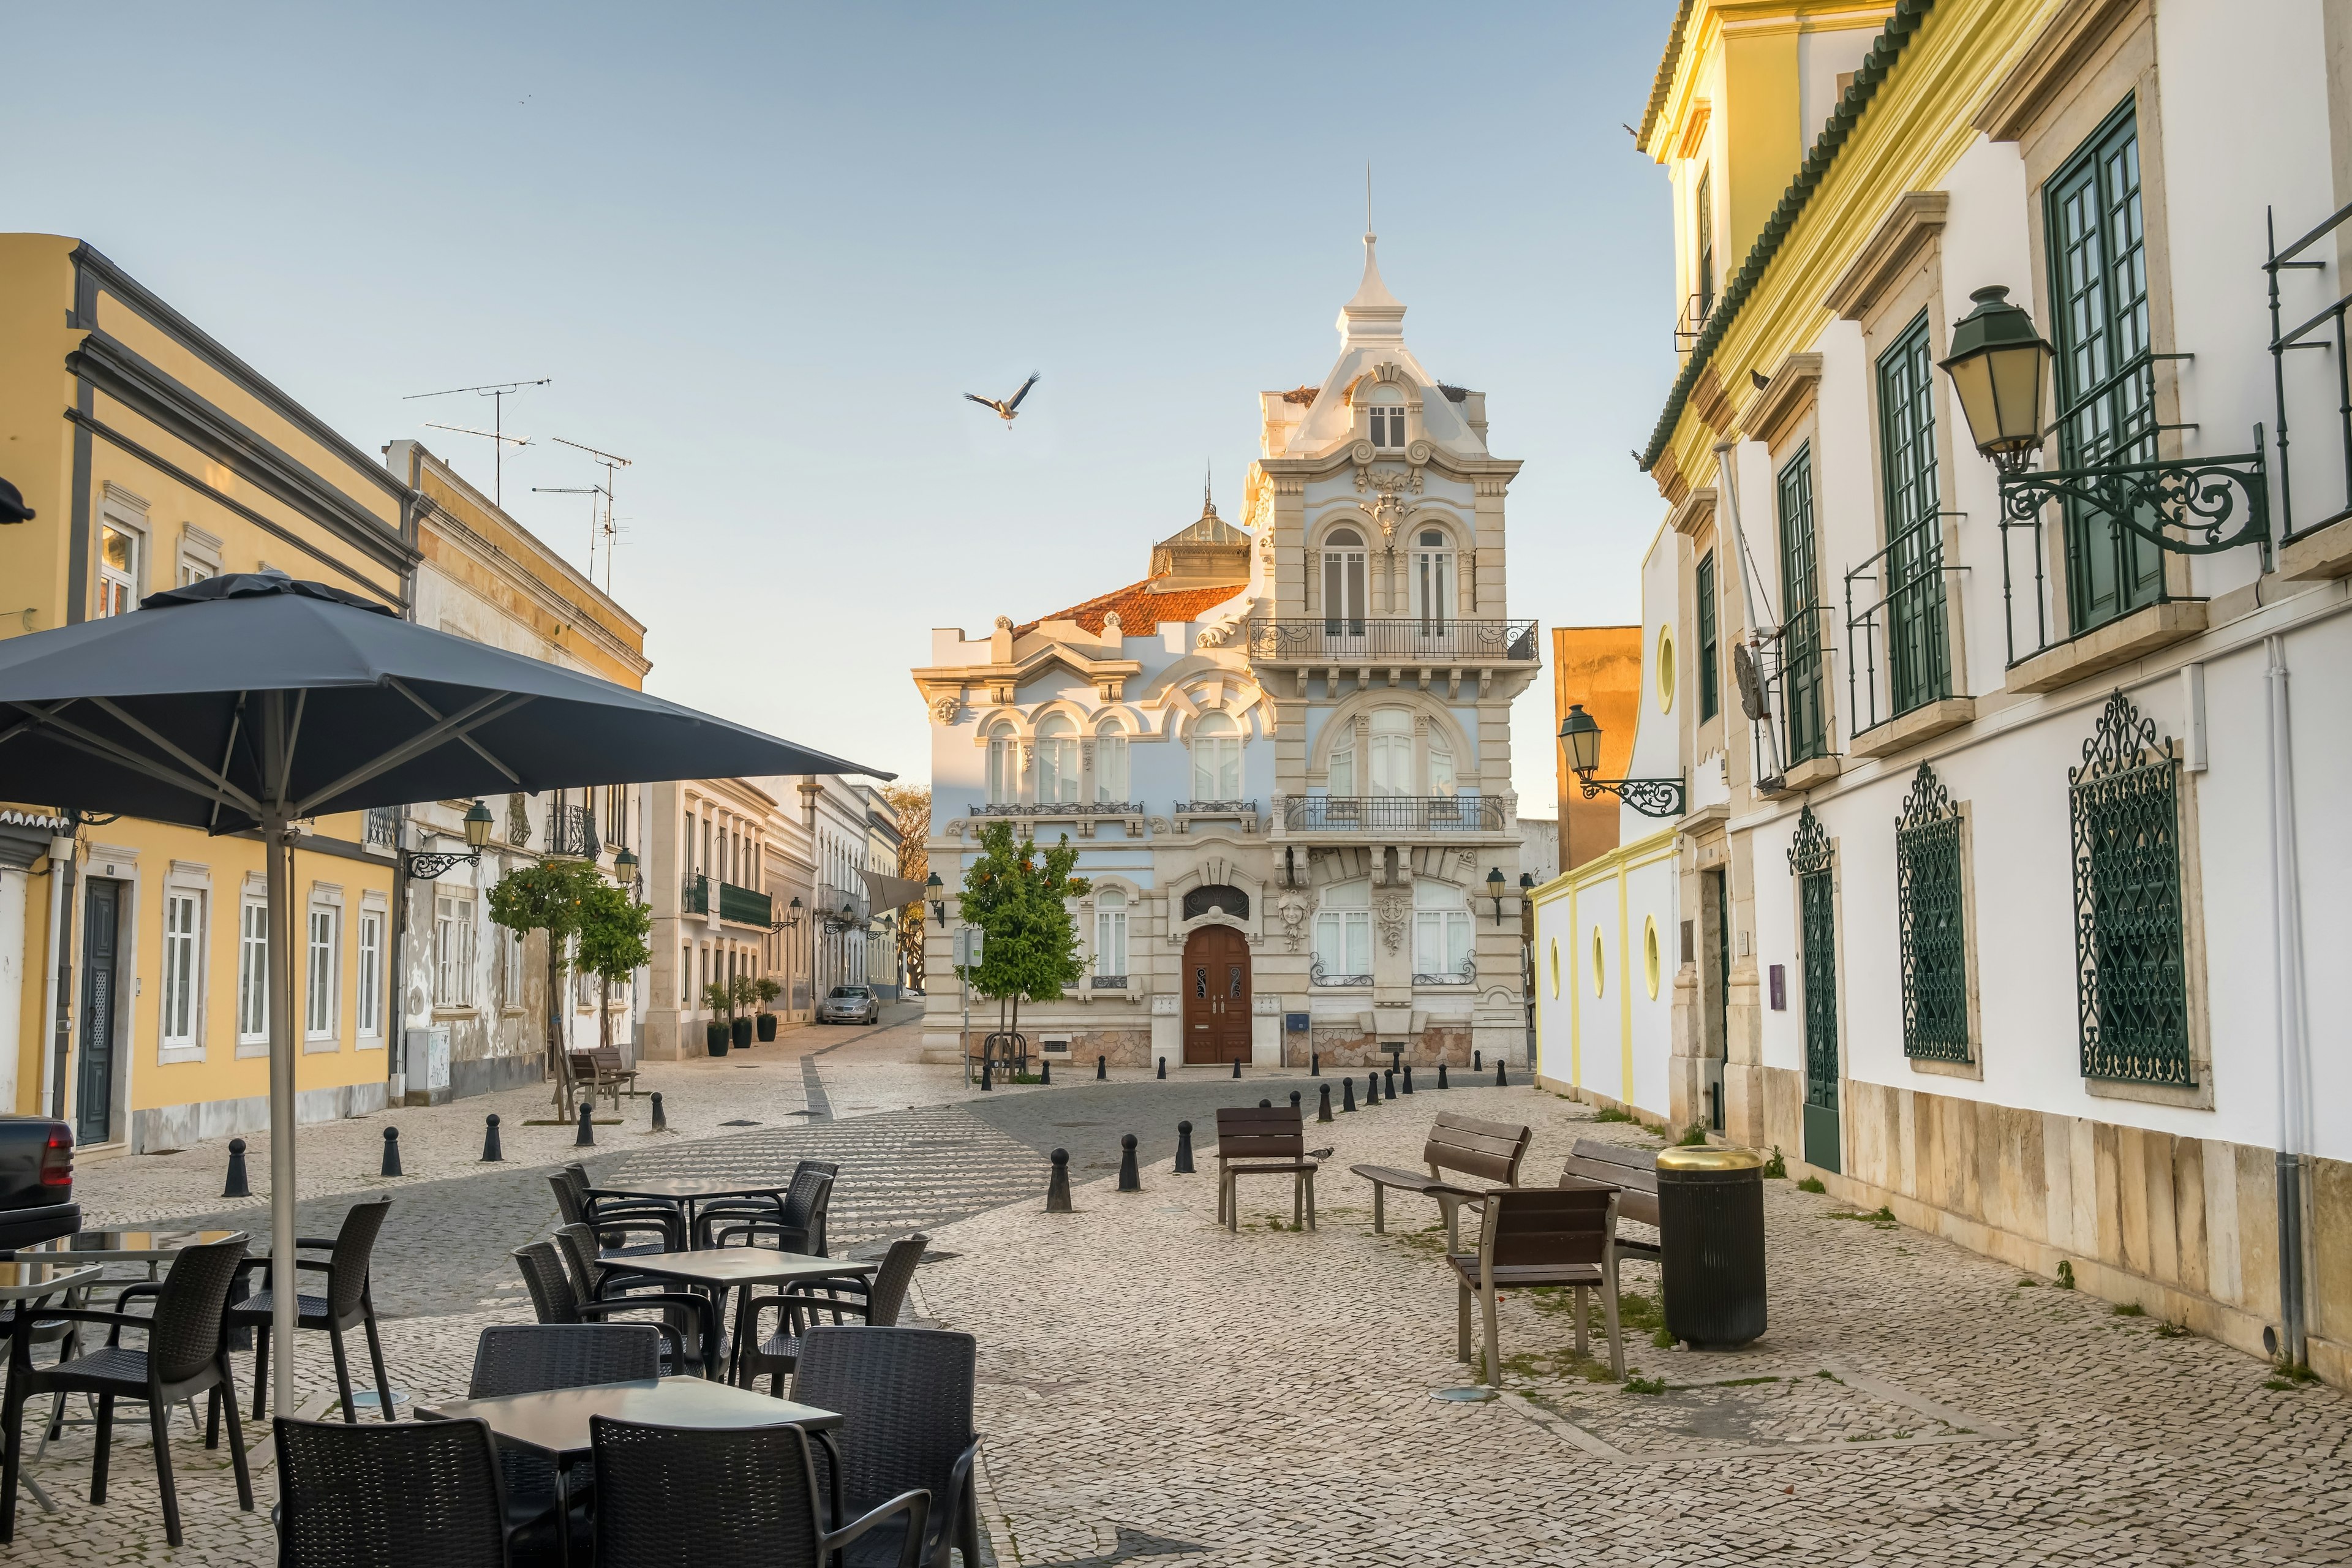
254	701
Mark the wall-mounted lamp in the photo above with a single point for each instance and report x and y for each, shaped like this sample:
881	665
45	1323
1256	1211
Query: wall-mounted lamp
1580	734
426	865
2000	365
624	869
1494	890
937	891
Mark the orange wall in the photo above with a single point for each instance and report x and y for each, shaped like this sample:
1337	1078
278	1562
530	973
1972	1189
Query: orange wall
1600	667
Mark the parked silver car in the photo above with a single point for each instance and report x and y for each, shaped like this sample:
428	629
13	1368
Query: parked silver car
850	1004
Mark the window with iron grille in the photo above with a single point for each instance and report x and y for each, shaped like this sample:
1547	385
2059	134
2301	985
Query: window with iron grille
1919	656
1801	637
1930	910
2130	971
1710	698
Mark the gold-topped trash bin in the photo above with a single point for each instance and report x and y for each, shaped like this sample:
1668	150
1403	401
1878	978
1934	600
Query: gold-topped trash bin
1711	1244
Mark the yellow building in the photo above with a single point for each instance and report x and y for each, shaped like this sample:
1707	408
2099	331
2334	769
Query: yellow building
131	991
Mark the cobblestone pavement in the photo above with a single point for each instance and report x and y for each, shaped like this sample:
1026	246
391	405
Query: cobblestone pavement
1155	1390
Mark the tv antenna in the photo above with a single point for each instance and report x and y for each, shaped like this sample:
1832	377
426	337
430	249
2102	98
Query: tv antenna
612	462
497	392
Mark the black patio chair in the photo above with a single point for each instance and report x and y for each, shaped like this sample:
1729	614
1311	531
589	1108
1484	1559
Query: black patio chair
615	1222
794	1224
345	1305
607	1277
418	1494
906	1399
876	1301
531	1358
186	1355
741	1498
555	1299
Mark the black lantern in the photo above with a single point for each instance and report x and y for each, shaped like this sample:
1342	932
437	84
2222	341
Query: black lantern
426	865
936	892
1580	732
625	868
1494	890
1998	366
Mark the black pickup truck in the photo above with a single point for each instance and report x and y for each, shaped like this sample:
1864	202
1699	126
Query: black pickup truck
36	1181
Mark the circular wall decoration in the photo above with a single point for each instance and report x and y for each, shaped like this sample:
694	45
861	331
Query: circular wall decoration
1665	669
1650	954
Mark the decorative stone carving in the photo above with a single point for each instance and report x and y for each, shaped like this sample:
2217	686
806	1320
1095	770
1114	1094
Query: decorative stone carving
1389	913
1113	628
1004	623
1291	910
944	708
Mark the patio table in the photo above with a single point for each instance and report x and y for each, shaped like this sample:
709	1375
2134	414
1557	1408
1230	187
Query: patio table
724	1268
28	1279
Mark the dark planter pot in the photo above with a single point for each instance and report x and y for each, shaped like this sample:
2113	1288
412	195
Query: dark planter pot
767	1022
714	1036
742	1029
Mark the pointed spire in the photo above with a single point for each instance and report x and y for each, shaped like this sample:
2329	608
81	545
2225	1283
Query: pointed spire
1374	314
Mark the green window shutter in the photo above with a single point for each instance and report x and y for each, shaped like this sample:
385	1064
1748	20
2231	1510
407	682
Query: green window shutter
1918	654
1804	634
1710	698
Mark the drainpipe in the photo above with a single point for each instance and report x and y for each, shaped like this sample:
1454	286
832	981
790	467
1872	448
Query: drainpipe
2286	943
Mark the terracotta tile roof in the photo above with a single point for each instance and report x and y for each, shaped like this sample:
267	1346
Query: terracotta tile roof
1140	610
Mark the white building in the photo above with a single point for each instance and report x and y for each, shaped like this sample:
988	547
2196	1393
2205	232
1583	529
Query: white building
1285	753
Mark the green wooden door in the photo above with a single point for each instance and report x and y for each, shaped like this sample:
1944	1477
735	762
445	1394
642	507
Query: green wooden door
1810	857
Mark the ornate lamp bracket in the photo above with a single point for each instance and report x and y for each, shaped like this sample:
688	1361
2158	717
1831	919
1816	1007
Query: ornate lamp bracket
1651	797
426	865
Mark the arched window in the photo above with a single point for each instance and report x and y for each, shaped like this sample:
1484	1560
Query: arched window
1110	932
1216	896
1387	411
1433	582
1391	748
1341	774
1441	764
1003	771
1343	584
1110	763
1216	758
1058	759
1343	933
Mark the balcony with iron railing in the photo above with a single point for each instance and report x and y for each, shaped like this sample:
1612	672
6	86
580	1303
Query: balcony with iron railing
1899	606
572	831
841	909
1416	640
382	833
694	897
742	906
1393	814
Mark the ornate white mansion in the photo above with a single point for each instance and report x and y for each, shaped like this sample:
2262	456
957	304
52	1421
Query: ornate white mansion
1284	754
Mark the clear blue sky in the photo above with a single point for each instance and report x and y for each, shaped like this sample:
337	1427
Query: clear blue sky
762	251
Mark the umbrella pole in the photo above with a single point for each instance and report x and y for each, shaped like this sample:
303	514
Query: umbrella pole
284	1276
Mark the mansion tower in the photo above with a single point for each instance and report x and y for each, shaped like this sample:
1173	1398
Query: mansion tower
1284	754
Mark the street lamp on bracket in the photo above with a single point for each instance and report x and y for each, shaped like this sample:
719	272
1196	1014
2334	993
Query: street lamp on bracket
937	893
1579	735
624	870
1999	366
424	864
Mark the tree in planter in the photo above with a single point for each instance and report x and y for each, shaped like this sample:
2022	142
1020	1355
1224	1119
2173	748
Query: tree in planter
766	989
1014	893
718	996
740	996
553	897
612	945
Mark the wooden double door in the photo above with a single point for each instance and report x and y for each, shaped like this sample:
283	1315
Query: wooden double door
1216	997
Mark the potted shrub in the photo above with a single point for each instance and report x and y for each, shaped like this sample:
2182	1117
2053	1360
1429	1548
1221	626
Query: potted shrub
716	1034
740	995
766	989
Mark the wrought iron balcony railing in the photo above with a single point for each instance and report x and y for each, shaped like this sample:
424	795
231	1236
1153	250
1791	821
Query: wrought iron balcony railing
1108	981
1318	975
1216	808
745	907
840	909
1339	639
1467	974
1897	643
1059	808
694	899
572	831
382	830
1393	814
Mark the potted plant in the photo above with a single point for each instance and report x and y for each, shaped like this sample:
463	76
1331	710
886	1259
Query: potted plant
740	995
766	989
715	1033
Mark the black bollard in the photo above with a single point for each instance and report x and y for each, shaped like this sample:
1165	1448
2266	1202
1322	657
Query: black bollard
1502	1080
1441	1075
1478	1061
391	1152
1372	1090
1102	1069
1315	1064
1265	1105
1045	1072
587	1125
987	1074
1057	1191
1163	1069
1129	1179
1346	1093
1388	1084
490	1151
1237	1067
661	1122
1323	1108
1185	1149
238	1187
1294	1100
1408	1078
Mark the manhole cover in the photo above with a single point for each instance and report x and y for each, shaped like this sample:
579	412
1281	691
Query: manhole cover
738	1121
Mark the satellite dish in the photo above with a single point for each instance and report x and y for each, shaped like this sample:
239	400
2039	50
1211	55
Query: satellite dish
1751	687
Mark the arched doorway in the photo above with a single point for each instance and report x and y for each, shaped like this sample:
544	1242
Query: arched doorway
1216	996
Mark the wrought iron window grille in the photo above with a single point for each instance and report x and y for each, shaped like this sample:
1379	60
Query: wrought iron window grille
572	831
1466	975
1929	901
1318	975
1108	981
2129	965
383	828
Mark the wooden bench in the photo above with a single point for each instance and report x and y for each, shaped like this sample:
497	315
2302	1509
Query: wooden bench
1632	1172
603	1069
1264	1141
1481	1150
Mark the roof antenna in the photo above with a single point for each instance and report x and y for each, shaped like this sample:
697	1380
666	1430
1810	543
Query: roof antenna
1368	199
497	392
1208	487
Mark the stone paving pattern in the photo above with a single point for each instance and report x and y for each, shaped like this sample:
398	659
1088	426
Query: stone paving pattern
1156	1390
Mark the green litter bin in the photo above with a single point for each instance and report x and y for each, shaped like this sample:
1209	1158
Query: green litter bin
1711	1244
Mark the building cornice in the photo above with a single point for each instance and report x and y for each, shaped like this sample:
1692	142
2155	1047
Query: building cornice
1915	222
1793	383
2064	43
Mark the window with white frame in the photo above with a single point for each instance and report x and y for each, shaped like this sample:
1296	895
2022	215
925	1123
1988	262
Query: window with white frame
1433	582
1110	932
1391	748
1441	765
253	973
200	555
1388	419
184	968
509	967
1058	759
1344	592
119	549
1216	758
1343	932
1003	767
1111	761
453	950
1440	930
371	973
324	972
1341	772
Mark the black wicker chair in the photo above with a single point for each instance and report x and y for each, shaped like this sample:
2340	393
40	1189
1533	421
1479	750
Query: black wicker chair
615	1223
531	1358
186	1355
556	1300
740	1499
424	1493
346	1304
906	1399
795	1223
876	1301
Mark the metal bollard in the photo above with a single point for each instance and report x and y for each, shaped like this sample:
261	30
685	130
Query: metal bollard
1408	1078
661	1120
1478	1061
1102	1069
1315	1064
1265	1105
391	1152
1057	1191
1237	1067
587	1126
1372	1090
1130	1181
987	1072
1163	1069
1185	1149
1502	1079
1045	1072
491	1153
238	1187
1388	1084
1294	1100
1441	1075
1323	1110
1346	1093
